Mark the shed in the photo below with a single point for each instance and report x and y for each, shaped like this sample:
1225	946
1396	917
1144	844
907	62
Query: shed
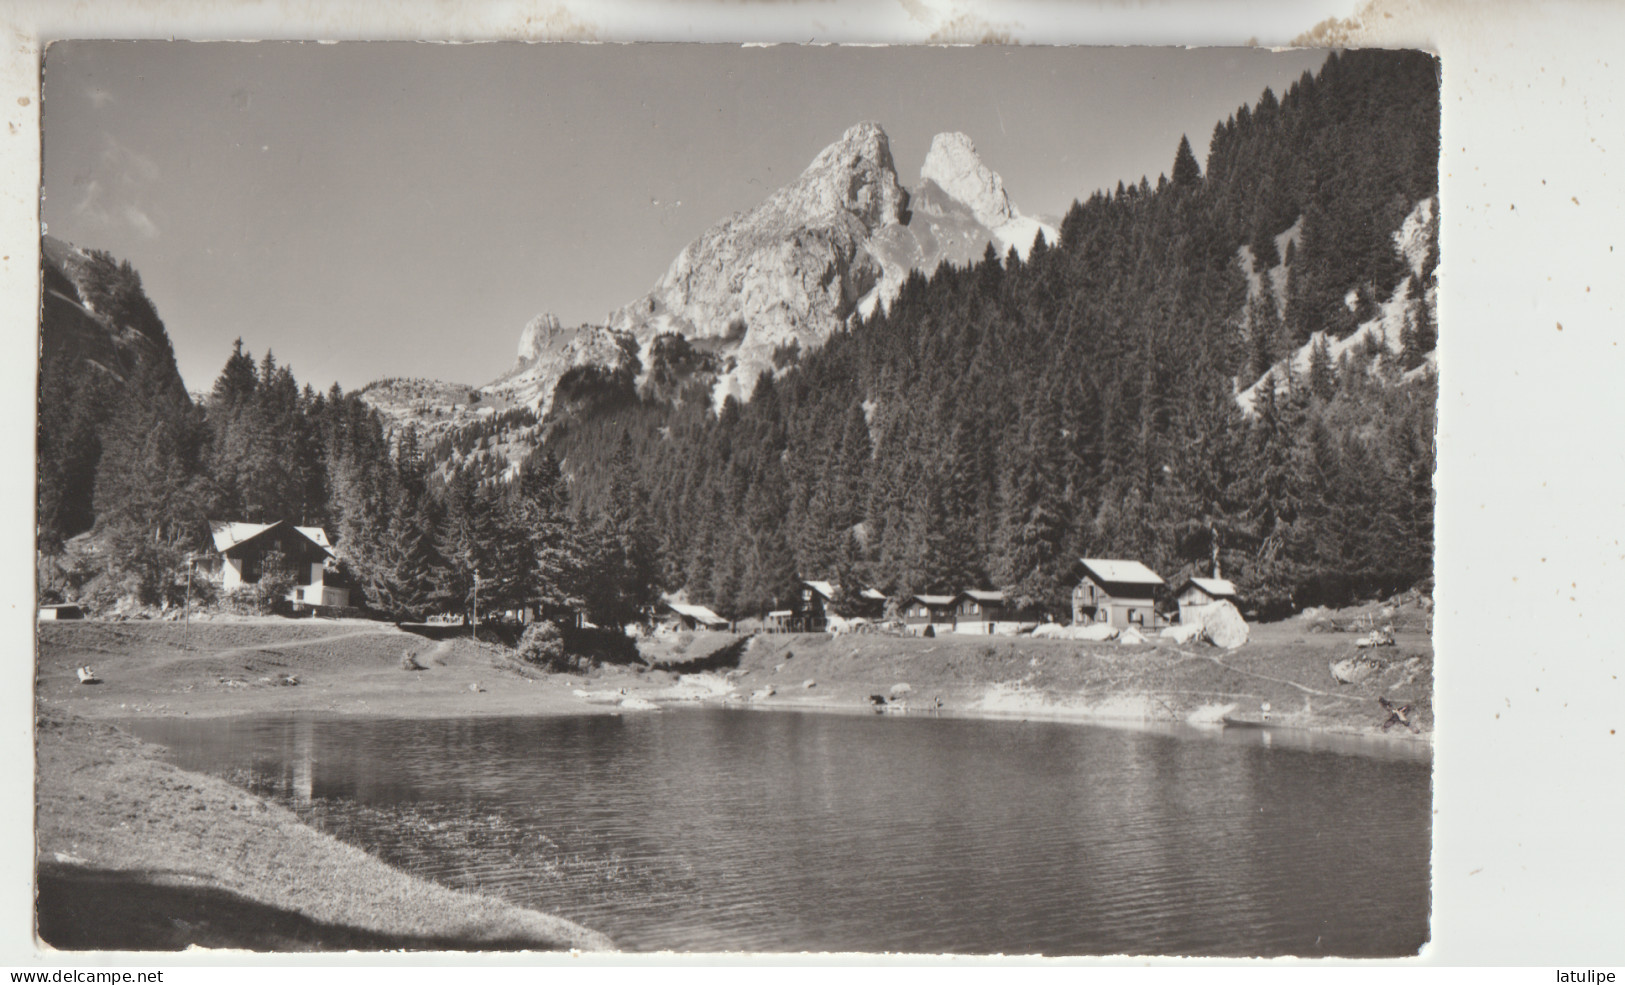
694	616
1196	594
1121	593
65	610
241	551
779	621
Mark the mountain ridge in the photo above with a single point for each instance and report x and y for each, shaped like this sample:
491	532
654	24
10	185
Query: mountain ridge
777	278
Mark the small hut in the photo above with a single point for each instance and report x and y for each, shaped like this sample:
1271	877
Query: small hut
1196	594
692	617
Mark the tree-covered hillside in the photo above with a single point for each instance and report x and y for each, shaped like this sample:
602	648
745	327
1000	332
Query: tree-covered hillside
132	471
1000	420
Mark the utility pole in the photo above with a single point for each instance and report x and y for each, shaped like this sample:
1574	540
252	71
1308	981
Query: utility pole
476	603
187	615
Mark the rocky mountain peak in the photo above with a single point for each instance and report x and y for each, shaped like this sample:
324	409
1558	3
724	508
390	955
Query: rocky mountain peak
954	166
854	175
537	335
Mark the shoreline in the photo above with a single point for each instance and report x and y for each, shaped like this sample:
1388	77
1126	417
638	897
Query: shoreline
229	669
134	853
1085	716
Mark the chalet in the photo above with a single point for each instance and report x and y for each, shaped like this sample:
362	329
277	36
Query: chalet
933	614
241	550
817	596
988	613
693	617
1196	594
1122	593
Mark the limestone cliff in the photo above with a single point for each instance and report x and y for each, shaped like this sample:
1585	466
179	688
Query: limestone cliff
781	277
787	272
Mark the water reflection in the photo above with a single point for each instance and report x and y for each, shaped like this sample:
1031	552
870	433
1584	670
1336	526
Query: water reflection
719	830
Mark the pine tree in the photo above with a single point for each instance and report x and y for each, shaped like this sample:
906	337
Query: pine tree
559	568
622	590
1187	173
1322	379
150	496
461	543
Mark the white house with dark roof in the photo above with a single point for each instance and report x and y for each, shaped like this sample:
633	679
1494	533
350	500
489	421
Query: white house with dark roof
1122	593
241	550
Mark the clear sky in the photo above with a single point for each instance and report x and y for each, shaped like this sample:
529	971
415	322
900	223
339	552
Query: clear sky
375	209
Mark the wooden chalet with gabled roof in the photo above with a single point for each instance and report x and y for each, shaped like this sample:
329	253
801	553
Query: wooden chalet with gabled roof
990	612
1196	594
817	597
1121	593
928	614
242	551
691	617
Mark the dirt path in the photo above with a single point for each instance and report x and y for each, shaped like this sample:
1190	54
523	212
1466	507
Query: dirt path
1281	680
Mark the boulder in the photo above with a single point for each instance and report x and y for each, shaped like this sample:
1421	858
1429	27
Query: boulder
1050	631
1131	637
901	689
1094	632
1223	624
1353	670
1183	633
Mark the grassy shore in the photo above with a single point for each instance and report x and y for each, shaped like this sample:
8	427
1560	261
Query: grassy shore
328	667
135	854
1285	664
355	668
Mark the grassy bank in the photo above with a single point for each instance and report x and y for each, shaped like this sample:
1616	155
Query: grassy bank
1098	681
332	667
1285	664
135	854
356	668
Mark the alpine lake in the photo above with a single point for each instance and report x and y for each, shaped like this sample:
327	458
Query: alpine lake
712	830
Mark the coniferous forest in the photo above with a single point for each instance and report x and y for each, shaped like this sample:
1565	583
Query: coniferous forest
998	421
988	427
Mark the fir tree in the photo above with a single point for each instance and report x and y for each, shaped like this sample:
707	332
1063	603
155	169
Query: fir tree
622	590
1187	173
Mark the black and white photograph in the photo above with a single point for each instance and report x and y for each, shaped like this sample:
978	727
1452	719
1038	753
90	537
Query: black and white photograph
713	498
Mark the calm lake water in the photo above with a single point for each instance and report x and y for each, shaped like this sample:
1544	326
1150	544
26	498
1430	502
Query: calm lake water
711	830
